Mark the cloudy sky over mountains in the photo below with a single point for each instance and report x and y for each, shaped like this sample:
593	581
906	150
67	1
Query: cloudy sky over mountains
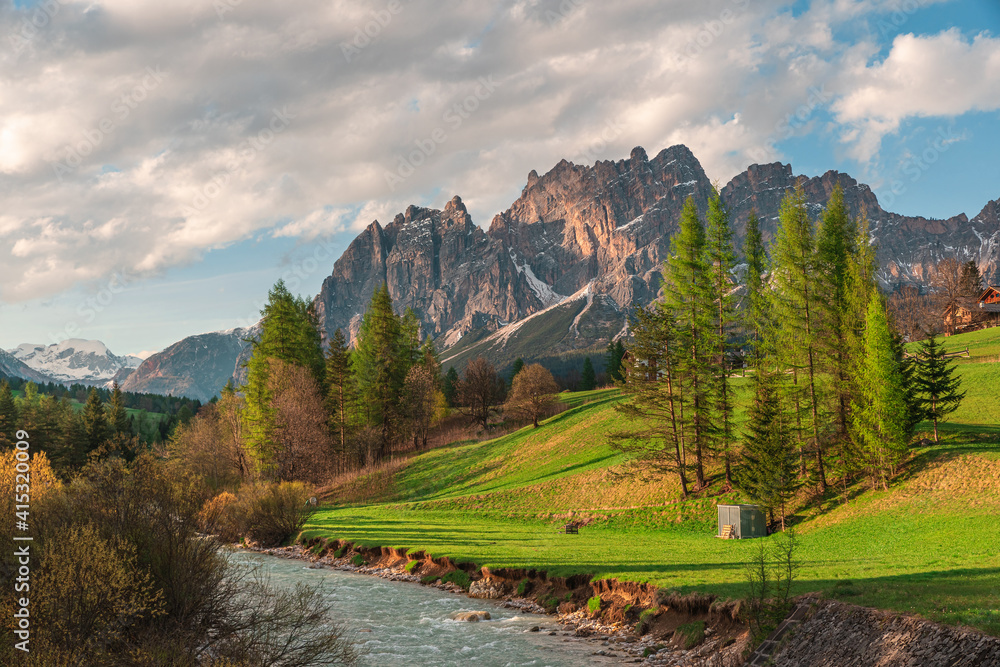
162	164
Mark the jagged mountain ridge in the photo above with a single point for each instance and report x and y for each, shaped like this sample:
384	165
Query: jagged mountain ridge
606	228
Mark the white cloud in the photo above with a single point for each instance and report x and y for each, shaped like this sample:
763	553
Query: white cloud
137	136
943	75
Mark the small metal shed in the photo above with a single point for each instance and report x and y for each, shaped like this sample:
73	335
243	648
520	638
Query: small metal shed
746	520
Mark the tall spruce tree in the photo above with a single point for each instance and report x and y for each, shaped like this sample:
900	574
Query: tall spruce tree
588	378
879	409
688	295
654	402
767	469
95	422
516	368
613	360
721	258
795	300
939	389
756	320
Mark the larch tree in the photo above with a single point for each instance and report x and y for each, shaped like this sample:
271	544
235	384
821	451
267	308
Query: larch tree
688	296
383	355
756	320
341	393
834	249
721	258
795	299
879	410
654	405
939	389
420	397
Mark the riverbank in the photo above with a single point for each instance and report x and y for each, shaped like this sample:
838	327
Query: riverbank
722	641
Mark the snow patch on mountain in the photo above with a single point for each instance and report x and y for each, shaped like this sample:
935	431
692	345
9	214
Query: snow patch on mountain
74	360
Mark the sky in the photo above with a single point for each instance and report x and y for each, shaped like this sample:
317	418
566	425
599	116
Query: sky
163	164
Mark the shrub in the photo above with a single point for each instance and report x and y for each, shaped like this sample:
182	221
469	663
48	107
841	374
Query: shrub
429	578
358	560
691	634
568	596
273	512
411	566
645	620
458	577
523	587
550	602
594	604
339	553
320	547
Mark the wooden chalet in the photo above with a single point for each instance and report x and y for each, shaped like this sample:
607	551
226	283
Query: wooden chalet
989	300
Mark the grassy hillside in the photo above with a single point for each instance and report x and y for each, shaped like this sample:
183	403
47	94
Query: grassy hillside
928	545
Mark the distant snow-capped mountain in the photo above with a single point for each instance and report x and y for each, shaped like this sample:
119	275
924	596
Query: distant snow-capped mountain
75	360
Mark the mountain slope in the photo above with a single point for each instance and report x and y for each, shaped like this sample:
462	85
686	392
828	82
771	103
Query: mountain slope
12	367
196	367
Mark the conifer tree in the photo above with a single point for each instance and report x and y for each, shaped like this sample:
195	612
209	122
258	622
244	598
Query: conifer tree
8	416
516	368
879	407
429	359
834	249
588	379
720	258
688	296
756	320
117	414
655	403
450	386
613	360
767	470
95	422
341	392
382	357
938	388
795	304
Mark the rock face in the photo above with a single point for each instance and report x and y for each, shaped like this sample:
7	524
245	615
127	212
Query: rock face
74	361
197	367
471	616
583	244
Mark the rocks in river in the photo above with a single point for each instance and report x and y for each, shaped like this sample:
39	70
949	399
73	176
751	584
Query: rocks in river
488	589
534	628
471	616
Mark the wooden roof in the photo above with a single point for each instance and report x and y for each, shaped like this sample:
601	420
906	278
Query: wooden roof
992	290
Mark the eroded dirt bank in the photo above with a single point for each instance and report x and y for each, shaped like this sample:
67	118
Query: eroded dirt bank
625	620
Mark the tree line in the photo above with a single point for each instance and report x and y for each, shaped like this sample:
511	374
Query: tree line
72	434
834	397
305	413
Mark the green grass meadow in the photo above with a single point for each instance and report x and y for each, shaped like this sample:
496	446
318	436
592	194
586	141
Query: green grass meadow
930	545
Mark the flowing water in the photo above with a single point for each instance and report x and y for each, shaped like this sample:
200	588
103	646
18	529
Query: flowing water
400	623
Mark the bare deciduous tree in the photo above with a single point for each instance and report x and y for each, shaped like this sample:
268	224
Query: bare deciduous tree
913	312
420	396
481	391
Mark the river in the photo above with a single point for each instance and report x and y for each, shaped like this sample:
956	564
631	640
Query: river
400	623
